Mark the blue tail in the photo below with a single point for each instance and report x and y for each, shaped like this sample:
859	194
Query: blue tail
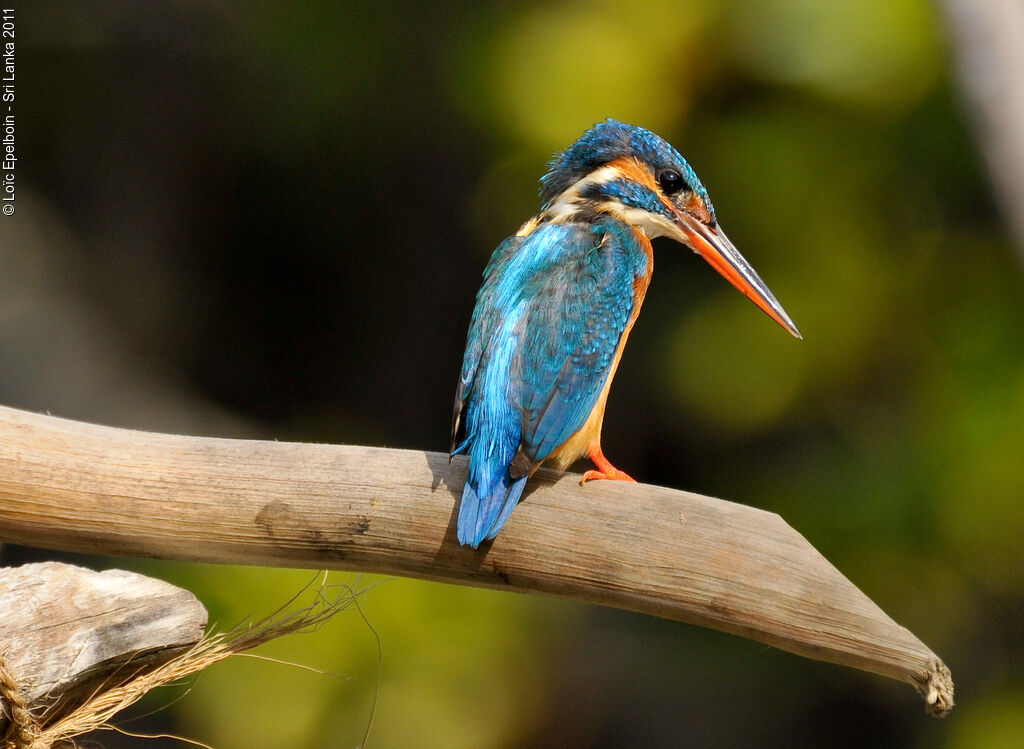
490	493
480	518
493	435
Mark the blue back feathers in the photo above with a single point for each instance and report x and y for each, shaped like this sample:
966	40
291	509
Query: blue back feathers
544	335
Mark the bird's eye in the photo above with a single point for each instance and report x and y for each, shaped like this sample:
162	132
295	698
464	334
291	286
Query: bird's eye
671	181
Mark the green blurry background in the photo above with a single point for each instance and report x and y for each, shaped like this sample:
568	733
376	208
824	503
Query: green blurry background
270	221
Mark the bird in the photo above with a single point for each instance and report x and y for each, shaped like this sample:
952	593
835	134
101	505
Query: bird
558	300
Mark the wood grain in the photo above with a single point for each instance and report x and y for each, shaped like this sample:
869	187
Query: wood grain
65	631
80	487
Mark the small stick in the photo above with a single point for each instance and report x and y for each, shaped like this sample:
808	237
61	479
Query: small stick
80	487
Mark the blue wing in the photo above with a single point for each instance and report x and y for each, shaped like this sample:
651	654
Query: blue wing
486	316
544	335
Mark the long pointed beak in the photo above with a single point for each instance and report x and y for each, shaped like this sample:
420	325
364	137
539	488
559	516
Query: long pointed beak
722	255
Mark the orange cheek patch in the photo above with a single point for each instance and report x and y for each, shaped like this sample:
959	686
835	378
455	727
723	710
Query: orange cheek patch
634	171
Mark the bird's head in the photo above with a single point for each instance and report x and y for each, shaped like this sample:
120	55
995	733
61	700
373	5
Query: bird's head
631	174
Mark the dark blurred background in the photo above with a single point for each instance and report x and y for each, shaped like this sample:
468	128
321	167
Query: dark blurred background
269	220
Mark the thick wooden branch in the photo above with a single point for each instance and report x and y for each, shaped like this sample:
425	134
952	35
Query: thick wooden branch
79	487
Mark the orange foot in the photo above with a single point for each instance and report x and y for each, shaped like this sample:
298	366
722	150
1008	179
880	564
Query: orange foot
605	470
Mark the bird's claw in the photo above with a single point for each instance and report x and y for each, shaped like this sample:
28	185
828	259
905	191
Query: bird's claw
605	469
614	475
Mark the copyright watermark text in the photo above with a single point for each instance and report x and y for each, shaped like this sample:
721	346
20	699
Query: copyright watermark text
8	157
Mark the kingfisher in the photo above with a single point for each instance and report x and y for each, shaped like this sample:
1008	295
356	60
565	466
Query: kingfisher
558	301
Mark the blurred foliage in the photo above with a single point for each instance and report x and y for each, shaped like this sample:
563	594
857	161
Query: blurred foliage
877	54
270	221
